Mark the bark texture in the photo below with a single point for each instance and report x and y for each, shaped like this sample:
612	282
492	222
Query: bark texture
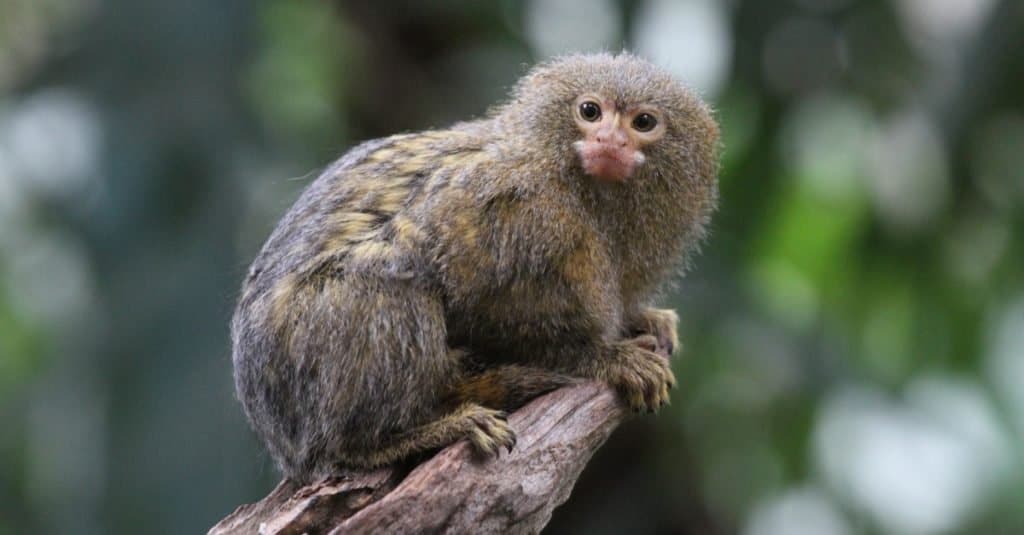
453	492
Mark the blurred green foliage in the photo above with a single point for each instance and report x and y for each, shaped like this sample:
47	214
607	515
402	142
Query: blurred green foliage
853	331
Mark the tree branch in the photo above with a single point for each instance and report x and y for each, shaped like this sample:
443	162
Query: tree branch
454	491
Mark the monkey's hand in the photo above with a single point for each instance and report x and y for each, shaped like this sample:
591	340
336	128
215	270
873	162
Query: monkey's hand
659	323
642	376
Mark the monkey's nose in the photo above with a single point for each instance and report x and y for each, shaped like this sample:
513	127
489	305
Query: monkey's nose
614	137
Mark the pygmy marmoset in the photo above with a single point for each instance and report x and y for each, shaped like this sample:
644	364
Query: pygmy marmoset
425	283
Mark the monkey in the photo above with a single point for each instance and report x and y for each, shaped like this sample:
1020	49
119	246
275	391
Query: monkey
425	284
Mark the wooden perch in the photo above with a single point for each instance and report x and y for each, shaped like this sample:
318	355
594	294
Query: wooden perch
454	491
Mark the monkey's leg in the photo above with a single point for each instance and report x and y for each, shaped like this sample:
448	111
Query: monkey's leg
487	430
367	359
508	387
658	322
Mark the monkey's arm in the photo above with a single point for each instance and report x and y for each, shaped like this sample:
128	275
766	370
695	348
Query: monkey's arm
576	312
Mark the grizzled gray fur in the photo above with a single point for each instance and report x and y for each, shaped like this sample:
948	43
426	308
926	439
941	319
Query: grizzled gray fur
427	282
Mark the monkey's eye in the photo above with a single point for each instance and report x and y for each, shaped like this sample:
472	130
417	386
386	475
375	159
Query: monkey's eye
590	111
644	122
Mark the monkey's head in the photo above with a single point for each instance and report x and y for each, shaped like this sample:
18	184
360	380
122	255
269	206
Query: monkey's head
619	117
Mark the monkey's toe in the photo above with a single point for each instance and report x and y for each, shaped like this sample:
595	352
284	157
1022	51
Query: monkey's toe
489	432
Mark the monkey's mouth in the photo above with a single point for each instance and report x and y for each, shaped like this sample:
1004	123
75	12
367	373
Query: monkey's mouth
609	163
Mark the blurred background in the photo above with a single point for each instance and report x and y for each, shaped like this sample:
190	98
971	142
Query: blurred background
853	332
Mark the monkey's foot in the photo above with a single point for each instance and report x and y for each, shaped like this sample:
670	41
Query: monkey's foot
660	323
488	430
641	376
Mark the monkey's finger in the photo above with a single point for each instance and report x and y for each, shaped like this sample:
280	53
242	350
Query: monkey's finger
647	342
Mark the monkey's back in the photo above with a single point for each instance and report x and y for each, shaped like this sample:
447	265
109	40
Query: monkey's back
313	316
349	212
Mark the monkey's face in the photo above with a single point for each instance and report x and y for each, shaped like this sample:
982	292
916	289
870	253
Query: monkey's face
611	148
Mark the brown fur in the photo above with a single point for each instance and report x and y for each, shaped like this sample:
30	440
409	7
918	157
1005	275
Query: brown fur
426	282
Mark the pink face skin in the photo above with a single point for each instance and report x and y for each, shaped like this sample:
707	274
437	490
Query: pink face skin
613	139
